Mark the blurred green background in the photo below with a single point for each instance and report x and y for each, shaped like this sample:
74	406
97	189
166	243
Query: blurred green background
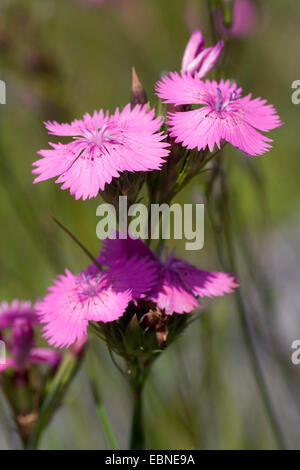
61	58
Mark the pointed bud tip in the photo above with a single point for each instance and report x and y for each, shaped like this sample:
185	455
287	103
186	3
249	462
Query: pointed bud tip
138	94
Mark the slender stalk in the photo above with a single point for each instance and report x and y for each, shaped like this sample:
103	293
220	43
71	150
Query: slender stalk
108	431
246	326
57	388
211	13
249	340
101	411
137	434
190	171
258	372
75	239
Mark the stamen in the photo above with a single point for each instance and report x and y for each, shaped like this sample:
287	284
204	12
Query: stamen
108	133
220	101
219	93
87	286
233	96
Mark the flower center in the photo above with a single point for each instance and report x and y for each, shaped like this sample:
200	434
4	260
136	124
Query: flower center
221	103
87	286
108	133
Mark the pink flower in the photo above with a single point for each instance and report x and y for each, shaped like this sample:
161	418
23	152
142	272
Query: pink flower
17	322
17	310
196	58
102	147
178	283
101	296
224	114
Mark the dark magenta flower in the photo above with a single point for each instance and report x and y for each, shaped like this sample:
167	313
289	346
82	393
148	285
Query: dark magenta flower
17	323
178	284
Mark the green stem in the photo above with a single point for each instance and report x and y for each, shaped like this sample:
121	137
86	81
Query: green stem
101	411
107	428
75	239
57	388
139	377
242	310
258	373
211	14
251	348
190	170
137	435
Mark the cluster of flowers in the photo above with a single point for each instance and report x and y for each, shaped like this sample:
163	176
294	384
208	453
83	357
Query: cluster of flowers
103	147
132	272
106	145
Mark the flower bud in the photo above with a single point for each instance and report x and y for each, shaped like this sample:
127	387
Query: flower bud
138	94
197	59
193	48
156	320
